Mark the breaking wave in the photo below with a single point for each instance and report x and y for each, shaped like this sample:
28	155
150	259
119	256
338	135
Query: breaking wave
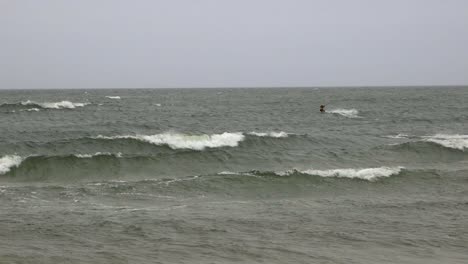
365	174
350	113
183	141
195	142
459	142
8	162
55	105
370	174
35	106
449	142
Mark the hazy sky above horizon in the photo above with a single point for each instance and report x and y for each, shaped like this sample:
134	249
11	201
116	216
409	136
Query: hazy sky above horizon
220	43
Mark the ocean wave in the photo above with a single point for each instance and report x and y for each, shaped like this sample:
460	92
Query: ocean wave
55	105
87	156
350	113
280	134
370	174
196	142
9	161
459	142
113	97
184	141
399	136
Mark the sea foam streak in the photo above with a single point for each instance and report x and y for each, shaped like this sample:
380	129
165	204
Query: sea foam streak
9	161
350	113
183	141
450	141
399	136
55	105
280	134
87	156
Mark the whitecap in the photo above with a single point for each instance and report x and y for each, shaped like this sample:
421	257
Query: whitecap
113	97
450	141
350	113
280	134
32	110
183	141
399	136
87	156
369	174
55	105
9	161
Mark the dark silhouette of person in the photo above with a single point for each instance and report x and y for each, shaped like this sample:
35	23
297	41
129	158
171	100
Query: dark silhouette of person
322	108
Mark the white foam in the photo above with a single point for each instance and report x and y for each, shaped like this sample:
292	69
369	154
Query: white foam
280	134
113	97
55	105
87	156
183	141
399	136
350	113
365	174
236	173
450	141
9	161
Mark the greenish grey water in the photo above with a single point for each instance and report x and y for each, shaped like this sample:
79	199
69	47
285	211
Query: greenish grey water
234	175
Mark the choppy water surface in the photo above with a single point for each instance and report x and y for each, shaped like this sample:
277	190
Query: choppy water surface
234	175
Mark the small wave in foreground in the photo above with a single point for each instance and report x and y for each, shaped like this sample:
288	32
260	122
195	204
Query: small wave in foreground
349	113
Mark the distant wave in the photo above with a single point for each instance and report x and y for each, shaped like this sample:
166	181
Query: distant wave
9	161
55	105
350	113
35	106
370	174
459	142
113	97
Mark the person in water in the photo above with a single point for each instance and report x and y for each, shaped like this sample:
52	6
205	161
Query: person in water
322	109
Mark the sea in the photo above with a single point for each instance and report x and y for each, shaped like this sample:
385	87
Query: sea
234	175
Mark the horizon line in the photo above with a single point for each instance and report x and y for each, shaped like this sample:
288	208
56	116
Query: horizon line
248	87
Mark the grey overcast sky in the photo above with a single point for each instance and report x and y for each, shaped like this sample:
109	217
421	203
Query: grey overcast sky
231	43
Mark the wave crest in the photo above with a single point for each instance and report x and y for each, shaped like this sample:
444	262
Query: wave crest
9	161
113	97
459	142
280	134
369	174
350	113
54	105
183	141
